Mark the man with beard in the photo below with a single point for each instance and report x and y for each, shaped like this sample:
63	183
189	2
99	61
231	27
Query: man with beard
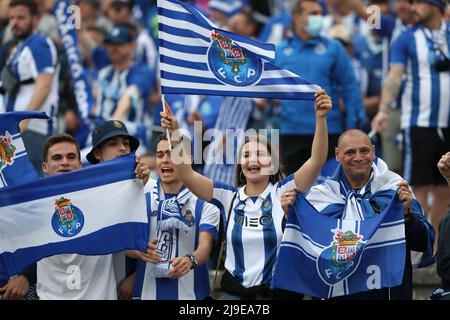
30	77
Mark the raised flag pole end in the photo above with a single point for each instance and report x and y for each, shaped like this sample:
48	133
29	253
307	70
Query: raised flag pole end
163	100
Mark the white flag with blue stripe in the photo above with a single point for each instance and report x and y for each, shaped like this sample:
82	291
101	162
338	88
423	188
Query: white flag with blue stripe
15	166
325	257
196	57
97	210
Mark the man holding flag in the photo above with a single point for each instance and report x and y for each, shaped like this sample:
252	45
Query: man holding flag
109	141
74	269
359	264
62	154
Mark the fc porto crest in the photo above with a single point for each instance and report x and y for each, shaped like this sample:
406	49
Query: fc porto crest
341	258
232	64
7	151
188	218
67	220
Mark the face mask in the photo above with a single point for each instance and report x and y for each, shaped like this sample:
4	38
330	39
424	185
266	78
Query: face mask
315	25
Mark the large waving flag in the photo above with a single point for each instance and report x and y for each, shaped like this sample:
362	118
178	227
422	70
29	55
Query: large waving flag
97	210
196	57
326	257
15	166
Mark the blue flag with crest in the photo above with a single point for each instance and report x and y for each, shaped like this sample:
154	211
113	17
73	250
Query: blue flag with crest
197	57
326	257
57	214
15	166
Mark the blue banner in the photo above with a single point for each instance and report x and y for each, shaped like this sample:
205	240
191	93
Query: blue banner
325	257
66	22
57	214
196	57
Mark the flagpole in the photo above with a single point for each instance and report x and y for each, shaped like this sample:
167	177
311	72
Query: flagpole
163	100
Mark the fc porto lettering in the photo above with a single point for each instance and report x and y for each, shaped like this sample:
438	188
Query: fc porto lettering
67	220
232	64
341	258
7	151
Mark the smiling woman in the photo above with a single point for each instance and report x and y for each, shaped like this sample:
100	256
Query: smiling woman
257	163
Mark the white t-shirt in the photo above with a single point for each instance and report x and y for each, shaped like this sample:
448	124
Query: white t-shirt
76	277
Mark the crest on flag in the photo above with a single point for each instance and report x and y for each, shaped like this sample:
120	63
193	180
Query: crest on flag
67	220
340	259
7	151
232	64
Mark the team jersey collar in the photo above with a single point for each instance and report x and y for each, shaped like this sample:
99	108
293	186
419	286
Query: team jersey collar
262	196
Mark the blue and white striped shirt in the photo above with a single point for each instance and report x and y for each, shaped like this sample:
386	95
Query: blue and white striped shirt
35	56
254	232
112	84
426	96
195	284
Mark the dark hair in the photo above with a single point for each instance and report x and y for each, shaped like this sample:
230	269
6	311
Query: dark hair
274	178
117	4
59	138
297	5
252	20
30	4
98	29
160	138
378	2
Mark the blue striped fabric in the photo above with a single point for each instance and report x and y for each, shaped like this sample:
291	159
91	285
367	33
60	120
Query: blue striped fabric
340	257
196	57
425	99
234	114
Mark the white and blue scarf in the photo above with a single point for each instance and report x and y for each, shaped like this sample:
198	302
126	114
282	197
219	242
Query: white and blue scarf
172	218
335	198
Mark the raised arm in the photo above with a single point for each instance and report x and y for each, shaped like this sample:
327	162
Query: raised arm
43	83
391	89
200	185
310	170
129	97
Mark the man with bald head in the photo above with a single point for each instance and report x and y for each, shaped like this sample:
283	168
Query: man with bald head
361	188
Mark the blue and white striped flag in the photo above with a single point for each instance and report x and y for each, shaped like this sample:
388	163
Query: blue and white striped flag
97	210
325	257
15	166
196	57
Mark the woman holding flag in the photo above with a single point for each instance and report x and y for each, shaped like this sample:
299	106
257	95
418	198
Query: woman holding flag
254	216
